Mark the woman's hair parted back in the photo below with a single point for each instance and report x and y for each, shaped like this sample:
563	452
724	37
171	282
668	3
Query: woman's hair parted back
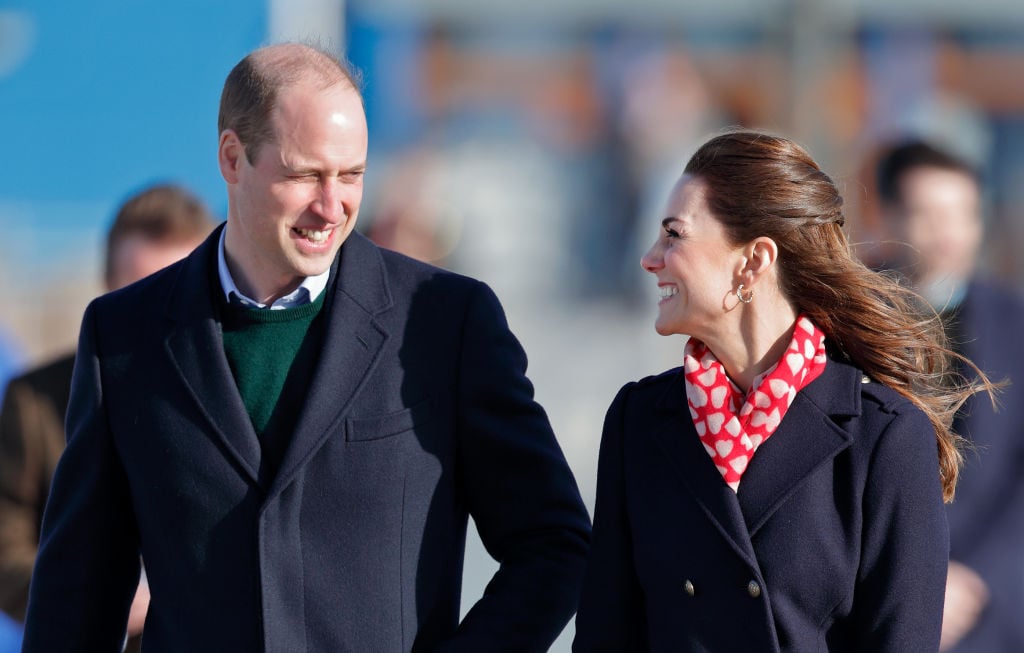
763	185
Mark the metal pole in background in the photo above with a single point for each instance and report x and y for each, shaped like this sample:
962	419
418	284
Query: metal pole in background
820	38
321	22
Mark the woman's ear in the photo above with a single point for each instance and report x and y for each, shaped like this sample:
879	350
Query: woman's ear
761	254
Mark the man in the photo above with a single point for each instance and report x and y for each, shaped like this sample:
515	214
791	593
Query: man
932	202
152	229
294	425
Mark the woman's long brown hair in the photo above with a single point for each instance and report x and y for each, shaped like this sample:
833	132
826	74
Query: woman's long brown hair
764	185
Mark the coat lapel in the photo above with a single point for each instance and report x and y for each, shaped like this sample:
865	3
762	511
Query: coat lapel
807	438
353	341
678	438
196	347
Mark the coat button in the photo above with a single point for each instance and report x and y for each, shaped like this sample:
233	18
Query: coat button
753	589
688	586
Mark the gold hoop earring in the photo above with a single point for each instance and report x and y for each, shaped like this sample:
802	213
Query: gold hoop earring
739	295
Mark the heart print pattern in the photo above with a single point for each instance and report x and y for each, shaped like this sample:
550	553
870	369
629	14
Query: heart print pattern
732	426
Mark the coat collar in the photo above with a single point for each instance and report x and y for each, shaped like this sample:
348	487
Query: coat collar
810	435
353	340
196	347
678	439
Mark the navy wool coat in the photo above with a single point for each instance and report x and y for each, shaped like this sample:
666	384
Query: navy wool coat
418	415
836	540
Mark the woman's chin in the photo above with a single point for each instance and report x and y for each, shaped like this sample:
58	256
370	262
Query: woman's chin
665	328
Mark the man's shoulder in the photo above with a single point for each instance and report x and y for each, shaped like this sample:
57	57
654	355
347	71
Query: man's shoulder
401	267
411	280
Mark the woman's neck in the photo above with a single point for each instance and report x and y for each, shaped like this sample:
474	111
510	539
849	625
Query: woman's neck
755	341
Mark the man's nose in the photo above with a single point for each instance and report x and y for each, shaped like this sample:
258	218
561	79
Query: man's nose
328	205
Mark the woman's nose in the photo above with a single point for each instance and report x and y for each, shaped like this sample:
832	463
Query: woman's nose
651	261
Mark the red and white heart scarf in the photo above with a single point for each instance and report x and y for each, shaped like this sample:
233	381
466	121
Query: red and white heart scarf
732	427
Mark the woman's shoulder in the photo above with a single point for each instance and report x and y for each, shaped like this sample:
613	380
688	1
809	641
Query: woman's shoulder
886	412
878	397
875	396
649	390
654	385
664	379
641	404
873	407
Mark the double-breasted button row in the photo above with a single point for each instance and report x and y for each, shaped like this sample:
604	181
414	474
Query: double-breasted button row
753	588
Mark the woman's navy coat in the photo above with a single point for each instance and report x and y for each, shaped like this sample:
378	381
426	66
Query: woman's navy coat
836	540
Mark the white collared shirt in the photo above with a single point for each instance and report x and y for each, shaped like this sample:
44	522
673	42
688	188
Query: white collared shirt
308	291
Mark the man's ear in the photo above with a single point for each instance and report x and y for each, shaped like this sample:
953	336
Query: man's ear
230	155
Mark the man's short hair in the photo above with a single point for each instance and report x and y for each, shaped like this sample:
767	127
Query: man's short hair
160	214
251	88
897	161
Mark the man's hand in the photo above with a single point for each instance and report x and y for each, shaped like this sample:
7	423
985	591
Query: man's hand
966	597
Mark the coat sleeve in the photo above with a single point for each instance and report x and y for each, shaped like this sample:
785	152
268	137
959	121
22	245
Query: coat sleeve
519	490
611	614
88	564
902	576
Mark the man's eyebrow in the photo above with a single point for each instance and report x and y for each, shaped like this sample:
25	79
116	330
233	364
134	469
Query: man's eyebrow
305	168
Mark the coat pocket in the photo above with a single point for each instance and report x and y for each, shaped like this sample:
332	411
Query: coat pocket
363	429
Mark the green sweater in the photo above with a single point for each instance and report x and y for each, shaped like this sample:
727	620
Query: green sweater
272	355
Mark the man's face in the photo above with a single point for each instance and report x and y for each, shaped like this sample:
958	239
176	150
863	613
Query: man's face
136	257
291	209
941	214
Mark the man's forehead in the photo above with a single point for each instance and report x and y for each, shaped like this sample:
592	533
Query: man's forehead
296	96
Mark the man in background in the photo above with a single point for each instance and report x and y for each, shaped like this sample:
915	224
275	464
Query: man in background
932	202
151	230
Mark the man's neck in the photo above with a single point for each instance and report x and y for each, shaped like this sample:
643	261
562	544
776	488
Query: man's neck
286	293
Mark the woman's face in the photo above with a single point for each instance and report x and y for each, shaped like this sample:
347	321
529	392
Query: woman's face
695	264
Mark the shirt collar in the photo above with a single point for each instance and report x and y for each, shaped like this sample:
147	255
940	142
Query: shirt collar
308	291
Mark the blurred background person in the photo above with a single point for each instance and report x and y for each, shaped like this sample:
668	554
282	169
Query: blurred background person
931	203
151	230
9	359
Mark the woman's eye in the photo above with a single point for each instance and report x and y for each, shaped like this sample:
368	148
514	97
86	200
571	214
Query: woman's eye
671	233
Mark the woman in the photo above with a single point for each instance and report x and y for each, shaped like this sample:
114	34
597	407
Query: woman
783	490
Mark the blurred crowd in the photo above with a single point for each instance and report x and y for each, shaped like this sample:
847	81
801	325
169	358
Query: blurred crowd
539	161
